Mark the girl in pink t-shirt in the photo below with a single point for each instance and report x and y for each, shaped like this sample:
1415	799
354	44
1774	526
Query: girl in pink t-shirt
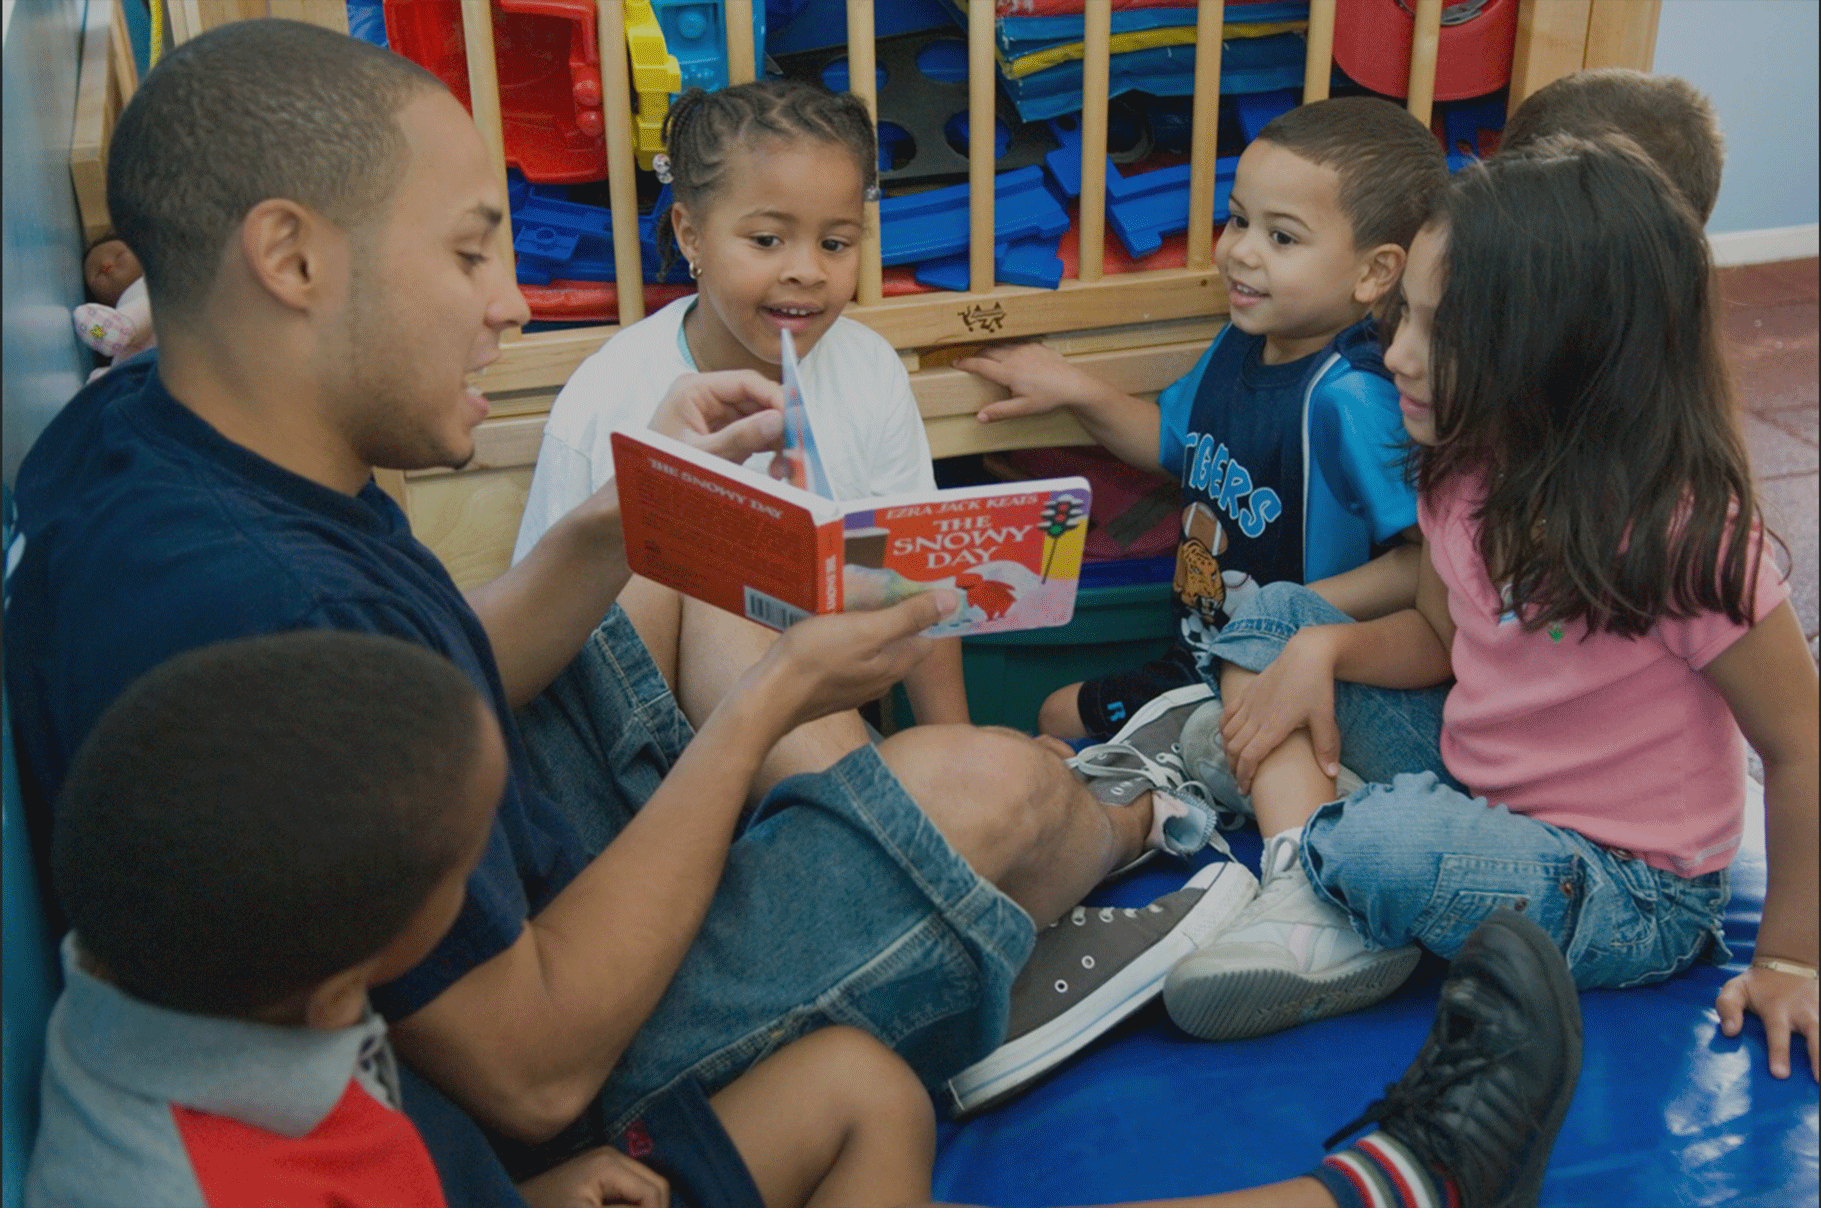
1598	585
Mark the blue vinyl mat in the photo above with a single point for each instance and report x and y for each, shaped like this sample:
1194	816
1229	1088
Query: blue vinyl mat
1668	1111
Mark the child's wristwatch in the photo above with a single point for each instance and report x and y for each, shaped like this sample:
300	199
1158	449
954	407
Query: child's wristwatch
1793	968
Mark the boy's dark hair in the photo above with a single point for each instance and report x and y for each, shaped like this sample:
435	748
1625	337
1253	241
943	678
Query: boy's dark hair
248	111
1665	115
1389	164
1576	369
703	128
251	818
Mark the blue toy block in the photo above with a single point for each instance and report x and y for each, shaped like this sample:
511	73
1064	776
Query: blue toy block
932	224
1256	109
695	35
1462	122
1033	262
554	238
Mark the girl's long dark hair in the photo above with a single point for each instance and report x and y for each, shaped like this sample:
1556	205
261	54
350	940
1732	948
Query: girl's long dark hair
1576	369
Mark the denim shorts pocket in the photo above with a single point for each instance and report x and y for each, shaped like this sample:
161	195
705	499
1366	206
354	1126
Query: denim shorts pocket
1468	888
1649	926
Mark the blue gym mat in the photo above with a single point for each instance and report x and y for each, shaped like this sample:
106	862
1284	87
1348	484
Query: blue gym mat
1668	1111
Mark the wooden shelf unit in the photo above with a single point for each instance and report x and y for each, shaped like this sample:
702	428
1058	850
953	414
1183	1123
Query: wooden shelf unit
1163	317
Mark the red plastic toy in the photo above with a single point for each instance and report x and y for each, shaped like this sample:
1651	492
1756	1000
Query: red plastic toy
549	65
1372	45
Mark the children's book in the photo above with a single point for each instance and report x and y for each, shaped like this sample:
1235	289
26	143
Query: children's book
776	553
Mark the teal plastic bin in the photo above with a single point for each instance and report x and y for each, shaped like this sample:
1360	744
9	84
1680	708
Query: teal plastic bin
1115	628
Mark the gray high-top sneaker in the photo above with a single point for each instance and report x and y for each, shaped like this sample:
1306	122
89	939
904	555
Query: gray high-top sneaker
1094	967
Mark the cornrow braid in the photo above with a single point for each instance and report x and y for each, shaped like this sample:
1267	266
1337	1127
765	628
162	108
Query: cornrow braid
704	128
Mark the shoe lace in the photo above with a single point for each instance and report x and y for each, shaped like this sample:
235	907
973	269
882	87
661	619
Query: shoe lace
1164	769
1413	1108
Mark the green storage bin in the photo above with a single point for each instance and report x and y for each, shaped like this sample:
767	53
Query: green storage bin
1009	674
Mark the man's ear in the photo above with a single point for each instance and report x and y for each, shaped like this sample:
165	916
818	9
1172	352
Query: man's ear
1382	267
293	253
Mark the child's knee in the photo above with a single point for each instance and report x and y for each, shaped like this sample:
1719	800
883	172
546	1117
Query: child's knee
870	1086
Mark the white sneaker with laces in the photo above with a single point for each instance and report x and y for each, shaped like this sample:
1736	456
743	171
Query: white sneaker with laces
1289	958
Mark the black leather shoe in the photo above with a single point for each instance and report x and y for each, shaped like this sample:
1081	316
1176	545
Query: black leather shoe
1485	1097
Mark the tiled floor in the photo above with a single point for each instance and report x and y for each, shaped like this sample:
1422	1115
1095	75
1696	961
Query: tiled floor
1769	320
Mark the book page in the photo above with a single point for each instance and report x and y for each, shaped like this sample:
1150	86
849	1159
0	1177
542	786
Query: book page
1012	553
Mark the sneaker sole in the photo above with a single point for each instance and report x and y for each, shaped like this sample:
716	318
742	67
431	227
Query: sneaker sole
1015	1065
1242	1002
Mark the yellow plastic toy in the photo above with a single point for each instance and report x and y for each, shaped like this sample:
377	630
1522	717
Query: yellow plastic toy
656	77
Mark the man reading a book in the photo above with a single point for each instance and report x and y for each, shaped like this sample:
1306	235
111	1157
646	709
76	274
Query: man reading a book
319	223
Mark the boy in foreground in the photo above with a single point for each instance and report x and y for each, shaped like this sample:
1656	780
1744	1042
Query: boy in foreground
253	835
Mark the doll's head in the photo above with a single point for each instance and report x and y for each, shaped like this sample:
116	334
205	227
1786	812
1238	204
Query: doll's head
109	268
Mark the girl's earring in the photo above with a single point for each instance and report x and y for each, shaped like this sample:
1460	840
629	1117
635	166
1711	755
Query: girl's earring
695	271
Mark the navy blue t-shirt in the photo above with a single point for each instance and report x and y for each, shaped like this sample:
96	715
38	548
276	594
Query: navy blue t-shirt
142	533
1289	472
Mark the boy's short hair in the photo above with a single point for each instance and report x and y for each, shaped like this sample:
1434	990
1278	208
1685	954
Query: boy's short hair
1665	115
253	817
248	111
1389	164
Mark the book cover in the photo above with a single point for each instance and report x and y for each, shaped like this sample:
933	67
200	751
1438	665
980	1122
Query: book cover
775	553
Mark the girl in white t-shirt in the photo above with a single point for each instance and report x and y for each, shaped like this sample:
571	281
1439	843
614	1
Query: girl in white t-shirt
770	182
1597	581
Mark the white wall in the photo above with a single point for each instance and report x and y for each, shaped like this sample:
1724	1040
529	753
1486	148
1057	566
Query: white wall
42	270
1757	60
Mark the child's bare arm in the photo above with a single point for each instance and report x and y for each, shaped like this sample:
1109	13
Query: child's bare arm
1040	381
1408	649
1379	588
1769	683
937	691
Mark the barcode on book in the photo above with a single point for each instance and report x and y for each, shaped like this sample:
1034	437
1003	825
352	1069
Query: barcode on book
773	612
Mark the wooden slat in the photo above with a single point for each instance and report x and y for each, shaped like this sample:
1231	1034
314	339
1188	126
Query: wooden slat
125	70
94	124
186	22
960	435
740	65
484	96
862	75
1140	371
1204	125
1424	47
330	14
1096	65
1318	63
982	137
1622	34
1551	42
545	360
622	185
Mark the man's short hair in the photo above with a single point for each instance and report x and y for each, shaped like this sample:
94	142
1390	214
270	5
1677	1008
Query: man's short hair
253	817
1389	164
249	111
1665	115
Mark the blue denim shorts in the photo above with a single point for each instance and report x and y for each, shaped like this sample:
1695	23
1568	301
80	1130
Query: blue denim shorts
1414	857
841	902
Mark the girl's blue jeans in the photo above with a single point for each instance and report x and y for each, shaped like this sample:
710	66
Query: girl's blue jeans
1414	857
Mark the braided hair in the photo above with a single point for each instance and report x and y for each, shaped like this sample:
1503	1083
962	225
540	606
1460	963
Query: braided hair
703	129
